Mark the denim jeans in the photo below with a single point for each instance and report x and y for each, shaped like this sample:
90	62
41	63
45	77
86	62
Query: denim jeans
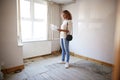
65	49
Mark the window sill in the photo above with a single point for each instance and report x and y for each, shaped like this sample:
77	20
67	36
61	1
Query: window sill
20	44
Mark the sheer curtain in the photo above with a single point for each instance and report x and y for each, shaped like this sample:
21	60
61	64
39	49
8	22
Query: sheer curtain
54	11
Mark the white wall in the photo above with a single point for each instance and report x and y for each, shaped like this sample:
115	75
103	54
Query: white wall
11	53
93	28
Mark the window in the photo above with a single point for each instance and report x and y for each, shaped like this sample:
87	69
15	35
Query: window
33	15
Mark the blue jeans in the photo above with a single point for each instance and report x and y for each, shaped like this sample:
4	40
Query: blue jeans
65	49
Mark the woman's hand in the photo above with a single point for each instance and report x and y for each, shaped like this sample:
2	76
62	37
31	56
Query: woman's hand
63	30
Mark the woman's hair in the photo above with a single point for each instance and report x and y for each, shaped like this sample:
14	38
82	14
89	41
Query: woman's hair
67	15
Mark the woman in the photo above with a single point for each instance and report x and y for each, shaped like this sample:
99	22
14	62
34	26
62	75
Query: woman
66	28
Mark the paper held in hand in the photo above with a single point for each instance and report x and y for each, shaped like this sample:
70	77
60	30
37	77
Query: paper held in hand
53	27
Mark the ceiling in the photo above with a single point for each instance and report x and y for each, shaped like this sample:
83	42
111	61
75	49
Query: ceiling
63	1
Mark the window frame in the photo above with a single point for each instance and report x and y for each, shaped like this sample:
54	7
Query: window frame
32	20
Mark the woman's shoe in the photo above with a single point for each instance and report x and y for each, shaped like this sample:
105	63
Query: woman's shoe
61	62
66	65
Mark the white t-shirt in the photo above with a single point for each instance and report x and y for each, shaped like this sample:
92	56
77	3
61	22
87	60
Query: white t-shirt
66	25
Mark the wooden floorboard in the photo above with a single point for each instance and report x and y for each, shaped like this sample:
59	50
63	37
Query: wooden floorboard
47	76
78	70
54	76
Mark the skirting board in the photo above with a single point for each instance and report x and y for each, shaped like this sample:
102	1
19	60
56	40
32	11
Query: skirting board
52	53
85	58
91	59
13	69
37	56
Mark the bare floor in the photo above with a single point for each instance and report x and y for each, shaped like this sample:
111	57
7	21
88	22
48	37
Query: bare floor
48	68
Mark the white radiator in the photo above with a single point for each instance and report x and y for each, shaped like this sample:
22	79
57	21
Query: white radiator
32	49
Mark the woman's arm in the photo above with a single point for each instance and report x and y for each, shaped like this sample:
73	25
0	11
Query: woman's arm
63	30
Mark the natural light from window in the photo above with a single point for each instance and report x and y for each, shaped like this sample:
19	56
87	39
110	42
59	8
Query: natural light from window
33	20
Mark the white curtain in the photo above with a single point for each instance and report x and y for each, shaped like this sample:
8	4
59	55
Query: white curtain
54	11
19	37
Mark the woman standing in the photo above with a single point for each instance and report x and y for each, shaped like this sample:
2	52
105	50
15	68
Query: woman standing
65	29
